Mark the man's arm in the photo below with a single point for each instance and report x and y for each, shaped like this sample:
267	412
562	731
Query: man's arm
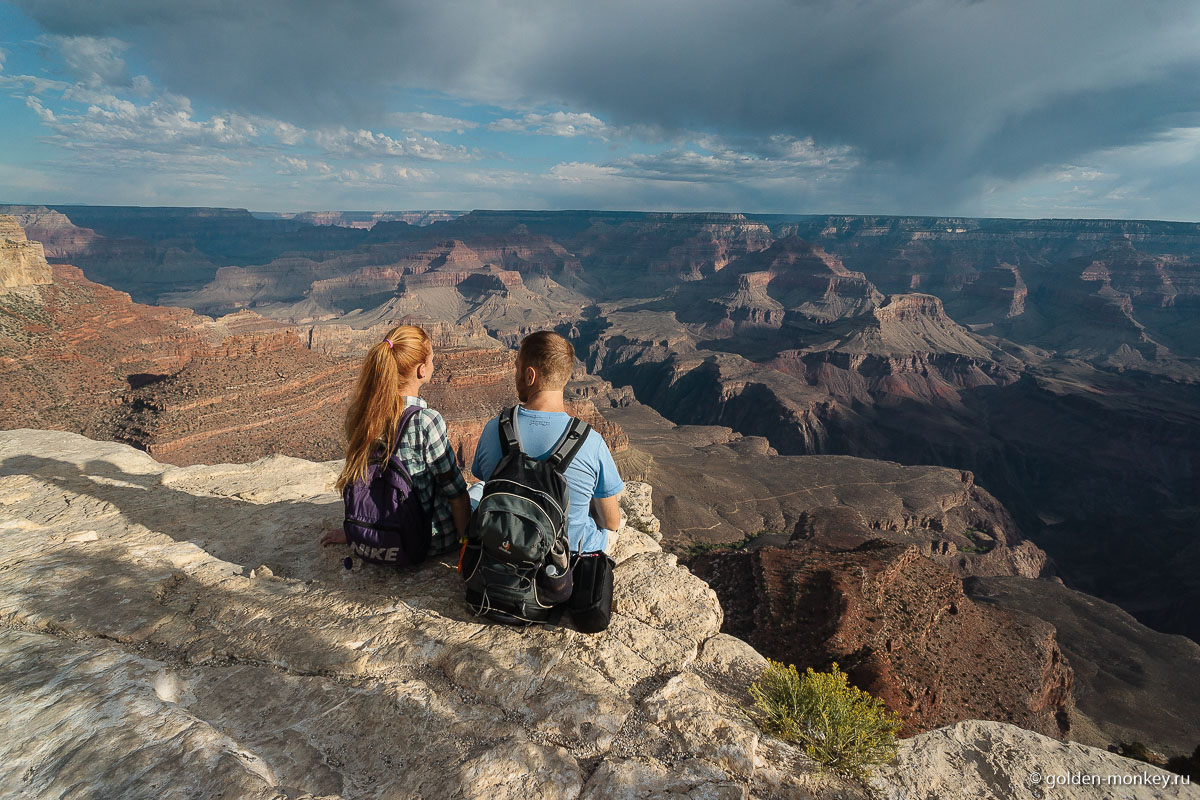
609	487
607	512
487	452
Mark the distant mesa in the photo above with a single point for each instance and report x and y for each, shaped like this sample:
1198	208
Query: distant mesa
363	219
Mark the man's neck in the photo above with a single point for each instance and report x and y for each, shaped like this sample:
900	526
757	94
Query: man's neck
549	400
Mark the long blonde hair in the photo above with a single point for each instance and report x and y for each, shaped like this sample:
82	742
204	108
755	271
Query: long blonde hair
377	404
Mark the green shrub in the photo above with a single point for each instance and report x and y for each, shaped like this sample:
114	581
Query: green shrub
712	547
840	726
980	542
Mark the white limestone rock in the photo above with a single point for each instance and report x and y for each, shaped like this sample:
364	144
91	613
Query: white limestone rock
22	262
995	761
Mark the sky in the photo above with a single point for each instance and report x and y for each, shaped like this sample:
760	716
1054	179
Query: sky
1010	108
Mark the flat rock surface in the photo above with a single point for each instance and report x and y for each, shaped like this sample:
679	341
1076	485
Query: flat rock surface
994	761
178	632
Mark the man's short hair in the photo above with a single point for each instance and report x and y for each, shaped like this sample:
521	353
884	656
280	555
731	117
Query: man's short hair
551	355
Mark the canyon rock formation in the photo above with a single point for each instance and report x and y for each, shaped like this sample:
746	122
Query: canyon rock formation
711	484
79	356
363	219
22	262
902	628
1133	684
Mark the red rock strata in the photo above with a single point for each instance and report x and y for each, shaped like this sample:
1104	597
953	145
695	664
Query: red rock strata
77	355
69	353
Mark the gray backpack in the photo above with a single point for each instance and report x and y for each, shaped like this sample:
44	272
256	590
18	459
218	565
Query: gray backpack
516	562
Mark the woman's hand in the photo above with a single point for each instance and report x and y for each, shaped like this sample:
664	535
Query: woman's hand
333	536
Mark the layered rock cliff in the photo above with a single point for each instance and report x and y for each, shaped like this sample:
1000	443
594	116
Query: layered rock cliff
1146	693
79	356
22	262
60	238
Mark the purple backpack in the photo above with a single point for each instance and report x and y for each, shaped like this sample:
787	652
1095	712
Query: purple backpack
385	522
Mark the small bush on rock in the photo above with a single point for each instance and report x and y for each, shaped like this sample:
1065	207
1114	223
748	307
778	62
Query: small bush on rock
840	726
1139	752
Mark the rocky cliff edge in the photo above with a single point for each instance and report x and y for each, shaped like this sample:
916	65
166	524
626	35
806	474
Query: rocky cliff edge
176	632
22	262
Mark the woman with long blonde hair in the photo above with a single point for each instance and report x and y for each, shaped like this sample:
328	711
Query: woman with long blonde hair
389	382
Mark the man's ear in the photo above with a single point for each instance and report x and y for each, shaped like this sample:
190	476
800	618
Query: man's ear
531	376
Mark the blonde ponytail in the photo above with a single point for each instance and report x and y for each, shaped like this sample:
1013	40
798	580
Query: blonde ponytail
377	403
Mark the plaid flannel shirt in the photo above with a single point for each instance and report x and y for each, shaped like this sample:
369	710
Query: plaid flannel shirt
426	453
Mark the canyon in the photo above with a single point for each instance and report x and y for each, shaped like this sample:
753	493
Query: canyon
80	356
934	403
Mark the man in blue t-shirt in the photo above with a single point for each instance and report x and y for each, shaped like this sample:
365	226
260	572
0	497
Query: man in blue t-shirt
544	365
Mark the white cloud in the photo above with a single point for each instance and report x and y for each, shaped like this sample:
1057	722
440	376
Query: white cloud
424	121
94	61
371	175
165	124
289	165
45	114
287	133
778	157
580	171
557	123
363	143
1071	173
32	84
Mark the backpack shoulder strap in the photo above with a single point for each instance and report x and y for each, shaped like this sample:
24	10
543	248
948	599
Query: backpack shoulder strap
572	439
510	434
406	417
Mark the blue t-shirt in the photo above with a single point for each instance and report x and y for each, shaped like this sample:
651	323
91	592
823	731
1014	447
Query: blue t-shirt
592	473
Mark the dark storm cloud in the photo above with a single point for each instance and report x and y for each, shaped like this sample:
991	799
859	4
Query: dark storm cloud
937	94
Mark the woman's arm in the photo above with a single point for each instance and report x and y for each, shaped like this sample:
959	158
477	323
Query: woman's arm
460	507
442	460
